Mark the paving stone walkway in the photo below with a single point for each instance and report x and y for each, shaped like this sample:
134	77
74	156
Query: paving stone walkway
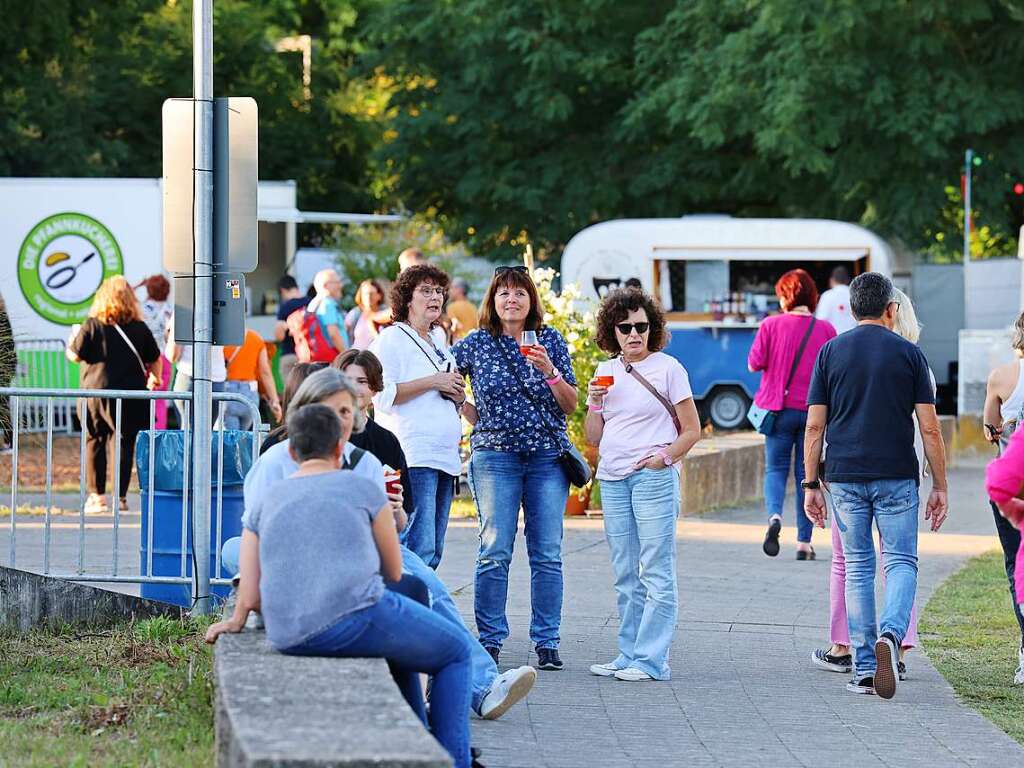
743	692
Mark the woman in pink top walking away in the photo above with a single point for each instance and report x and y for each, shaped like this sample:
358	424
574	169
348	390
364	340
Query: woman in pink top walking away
784	351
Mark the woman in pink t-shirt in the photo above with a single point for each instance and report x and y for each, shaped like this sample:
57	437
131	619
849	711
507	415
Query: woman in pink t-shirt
784	390
642	417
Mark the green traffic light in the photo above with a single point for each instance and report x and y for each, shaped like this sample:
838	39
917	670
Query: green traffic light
977	160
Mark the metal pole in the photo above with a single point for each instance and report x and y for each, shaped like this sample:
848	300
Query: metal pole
202	88
968	162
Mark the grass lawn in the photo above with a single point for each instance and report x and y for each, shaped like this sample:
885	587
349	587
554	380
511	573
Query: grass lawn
133	696
971	635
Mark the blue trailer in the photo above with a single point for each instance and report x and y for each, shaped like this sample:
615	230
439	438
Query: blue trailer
715	277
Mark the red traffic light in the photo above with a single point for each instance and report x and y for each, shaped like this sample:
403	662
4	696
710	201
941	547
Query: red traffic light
1018	188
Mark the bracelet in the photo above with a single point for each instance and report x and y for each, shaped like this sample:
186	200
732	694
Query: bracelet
554	379
595	408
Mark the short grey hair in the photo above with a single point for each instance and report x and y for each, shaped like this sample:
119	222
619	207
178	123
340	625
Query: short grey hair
314	431
322	384
870	294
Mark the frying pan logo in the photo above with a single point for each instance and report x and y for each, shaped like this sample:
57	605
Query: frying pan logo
62	262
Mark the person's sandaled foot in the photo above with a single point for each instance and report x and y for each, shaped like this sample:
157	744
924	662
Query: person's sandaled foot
771	538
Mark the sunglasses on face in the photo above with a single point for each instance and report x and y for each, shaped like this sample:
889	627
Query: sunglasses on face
519	268
627	328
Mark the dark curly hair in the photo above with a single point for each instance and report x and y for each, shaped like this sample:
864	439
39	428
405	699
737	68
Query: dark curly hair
616	308
408	281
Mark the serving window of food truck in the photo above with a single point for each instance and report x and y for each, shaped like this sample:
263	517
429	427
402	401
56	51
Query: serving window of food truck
737	286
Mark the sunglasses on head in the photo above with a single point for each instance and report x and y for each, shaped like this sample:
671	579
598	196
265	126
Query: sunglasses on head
519	268
627	328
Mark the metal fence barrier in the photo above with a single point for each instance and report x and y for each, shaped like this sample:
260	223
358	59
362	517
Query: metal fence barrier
43	365
115	572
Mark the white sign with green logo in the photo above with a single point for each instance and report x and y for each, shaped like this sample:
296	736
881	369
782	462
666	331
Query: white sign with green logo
62	262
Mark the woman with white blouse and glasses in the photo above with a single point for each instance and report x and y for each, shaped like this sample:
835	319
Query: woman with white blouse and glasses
422	398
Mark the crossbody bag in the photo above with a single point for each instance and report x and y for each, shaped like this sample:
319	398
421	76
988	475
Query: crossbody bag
762	419
142	365
433	362
654	391
576	468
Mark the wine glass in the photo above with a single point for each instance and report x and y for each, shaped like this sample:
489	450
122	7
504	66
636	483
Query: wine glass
528	340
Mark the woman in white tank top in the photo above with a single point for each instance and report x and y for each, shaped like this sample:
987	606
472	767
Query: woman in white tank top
1004	403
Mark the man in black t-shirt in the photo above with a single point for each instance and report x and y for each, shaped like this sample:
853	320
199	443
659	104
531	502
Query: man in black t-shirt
867	386
291	299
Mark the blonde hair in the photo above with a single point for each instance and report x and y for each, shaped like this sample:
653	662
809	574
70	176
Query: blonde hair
906	324
115	302
1018	334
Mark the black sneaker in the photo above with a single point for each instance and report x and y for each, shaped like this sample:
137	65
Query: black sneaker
495	652
862	685
771	538
547	658
903	671
887	655
822	659
475	753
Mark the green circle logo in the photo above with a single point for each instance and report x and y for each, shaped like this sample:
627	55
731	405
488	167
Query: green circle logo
62	262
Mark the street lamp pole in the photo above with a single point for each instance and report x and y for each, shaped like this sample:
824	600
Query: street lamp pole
968	163
202	222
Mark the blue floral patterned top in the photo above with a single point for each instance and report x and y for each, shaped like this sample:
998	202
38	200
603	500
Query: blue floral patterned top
508	420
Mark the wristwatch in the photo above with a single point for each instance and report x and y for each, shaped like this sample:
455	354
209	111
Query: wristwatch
810	485
665	457
555	375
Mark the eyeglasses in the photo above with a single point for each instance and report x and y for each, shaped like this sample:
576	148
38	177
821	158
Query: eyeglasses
627	328
427	291
517	268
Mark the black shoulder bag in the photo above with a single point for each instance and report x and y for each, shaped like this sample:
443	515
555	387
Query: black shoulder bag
576	468
762	419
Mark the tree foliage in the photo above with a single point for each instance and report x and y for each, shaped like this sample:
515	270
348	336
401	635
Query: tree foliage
85	95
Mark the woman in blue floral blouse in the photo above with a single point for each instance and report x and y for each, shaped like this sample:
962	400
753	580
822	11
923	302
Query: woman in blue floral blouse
521	400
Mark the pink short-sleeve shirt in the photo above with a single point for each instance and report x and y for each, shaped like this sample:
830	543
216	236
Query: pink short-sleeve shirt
635	422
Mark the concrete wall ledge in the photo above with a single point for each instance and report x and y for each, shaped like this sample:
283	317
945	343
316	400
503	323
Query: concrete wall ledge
29	601
274	710
725	470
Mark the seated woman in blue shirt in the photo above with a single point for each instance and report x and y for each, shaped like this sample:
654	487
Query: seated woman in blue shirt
315	603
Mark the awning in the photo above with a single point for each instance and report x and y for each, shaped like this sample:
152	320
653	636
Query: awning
294	215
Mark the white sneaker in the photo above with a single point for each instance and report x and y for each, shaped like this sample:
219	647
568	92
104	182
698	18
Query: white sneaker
632	675
96	505
604	670
507	689
1018	676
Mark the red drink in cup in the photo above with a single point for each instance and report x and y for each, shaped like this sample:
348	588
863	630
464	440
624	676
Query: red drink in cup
528	341
392	479
604	381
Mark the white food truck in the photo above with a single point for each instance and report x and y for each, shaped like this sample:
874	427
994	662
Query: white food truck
715	277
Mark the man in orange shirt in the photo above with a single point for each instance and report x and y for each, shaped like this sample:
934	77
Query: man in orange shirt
248	370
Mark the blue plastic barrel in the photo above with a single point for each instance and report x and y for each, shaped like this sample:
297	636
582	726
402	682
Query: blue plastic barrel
168	481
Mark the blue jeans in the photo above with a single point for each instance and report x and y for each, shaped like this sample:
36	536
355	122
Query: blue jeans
893	505
787	433
432	492
640	526
413	639
484	670
237	415
183	383
502	482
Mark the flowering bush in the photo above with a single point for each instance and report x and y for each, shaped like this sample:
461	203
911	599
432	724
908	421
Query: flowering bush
572	316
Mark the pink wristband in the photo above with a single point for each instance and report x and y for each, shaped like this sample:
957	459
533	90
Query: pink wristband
595	408
554	379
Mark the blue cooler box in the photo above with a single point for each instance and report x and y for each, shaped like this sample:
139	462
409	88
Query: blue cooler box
168	464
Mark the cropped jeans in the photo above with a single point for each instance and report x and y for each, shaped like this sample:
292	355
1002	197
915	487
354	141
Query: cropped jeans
893	506
484	670
413	639
235	415
640	514
786	434
502	482
432	492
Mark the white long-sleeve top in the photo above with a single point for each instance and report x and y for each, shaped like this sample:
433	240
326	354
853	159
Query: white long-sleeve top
428	426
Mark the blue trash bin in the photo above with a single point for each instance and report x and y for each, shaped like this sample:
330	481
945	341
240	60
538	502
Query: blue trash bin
168	482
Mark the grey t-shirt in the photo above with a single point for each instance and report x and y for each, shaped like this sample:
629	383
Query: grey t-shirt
318	559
